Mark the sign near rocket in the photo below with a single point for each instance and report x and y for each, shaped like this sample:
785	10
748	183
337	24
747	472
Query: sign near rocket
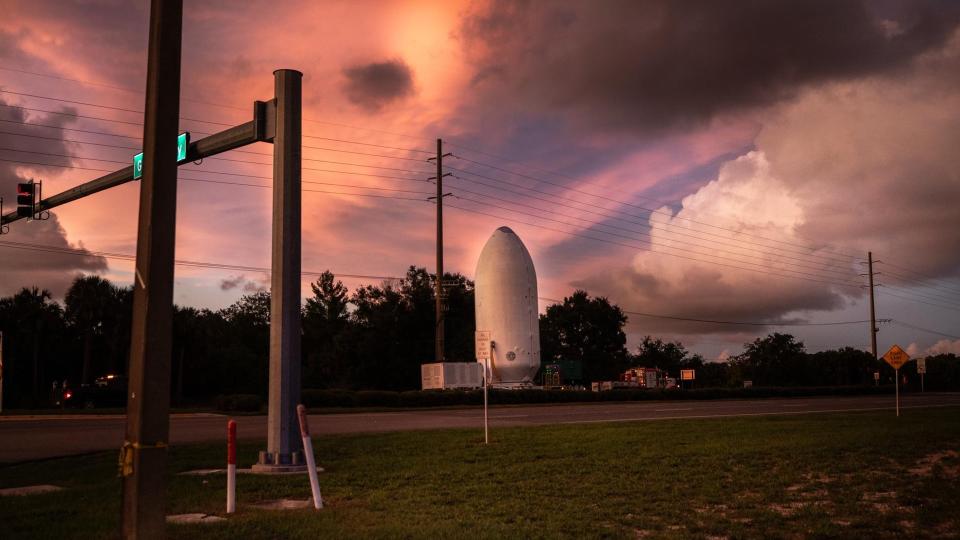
506	306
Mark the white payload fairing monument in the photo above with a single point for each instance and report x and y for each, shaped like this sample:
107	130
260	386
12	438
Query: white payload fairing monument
506	305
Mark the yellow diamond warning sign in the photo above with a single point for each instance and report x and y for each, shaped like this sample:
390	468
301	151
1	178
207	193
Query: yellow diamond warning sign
896	357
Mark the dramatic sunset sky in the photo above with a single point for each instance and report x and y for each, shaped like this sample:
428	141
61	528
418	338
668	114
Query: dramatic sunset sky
726	161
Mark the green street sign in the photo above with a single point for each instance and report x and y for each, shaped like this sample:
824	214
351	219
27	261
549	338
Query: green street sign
183	141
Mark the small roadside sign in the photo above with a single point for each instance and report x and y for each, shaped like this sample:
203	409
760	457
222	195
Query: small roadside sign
482	340
921	365
896	357
483	345
688	374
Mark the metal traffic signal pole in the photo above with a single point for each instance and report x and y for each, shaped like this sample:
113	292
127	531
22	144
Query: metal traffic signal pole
144	453
283	431
277	121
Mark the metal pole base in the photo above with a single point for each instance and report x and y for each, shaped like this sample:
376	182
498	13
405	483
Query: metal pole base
277	463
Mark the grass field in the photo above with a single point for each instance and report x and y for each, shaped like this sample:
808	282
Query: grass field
866	475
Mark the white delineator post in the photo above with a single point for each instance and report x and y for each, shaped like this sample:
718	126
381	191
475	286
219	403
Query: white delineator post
231	467
308	454
486	419
896	385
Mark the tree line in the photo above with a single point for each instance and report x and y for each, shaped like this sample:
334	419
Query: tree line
375	337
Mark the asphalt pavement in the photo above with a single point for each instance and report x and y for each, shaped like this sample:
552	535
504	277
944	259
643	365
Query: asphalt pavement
44	436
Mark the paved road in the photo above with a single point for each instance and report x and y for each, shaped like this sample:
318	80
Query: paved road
36	437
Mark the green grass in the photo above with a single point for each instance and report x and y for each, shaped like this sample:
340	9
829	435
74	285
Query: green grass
866	475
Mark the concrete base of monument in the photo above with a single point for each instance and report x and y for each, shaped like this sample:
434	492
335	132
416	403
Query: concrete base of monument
284	504
195	518
277	463
206	472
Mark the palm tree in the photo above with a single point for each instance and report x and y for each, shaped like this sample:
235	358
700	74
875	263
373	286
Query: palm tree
35	313
90	300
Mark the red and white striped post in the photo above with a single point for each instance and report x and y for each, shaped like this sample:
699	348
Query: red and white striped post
231	467
308	454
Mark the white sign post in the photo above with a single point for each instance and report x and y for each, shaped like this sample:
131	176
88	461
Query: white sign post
896	357
921	369
1	371
483	355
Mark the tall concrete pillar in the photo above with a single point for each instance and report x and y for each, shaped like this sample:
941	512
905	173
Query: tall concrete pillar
283	433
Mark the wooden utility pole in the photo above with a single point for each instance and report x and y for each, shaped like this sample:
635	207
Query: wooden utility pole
439	293
873	314
144	453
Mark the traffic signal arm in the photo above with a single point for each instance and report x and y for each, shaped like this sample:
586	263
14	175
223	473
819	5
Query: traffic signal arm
257	130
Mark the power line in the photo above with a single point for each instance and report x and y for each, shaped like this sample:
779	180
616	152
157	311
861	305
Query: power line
69	129
937	298
195	264
672	224
885	293
651	237
250	185
477	202
486	204
621	202
203	103
214	158
740	323
637	247
109	107
925	280
921	329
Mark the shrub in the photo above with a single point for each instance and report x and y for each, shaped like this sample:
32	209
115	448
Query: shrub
238	402
442	398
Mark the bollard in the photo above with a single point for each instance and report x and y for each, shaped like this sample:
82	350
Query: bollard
308	454
231	467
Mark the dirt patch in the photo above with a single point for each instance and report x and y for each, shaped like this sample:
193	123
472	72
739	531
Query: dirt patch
926	464
947	529
819	478
879	495
29	490
819	494
787	510
715	509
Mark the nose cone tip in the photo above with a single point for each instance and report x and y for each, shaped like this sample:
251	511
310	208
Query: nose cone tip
506	229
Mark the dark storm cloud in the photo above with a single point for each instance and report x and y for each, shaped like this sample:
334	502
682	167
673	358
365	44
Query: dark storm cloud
655	64
232	283
20	267
707	296
374	85
246	285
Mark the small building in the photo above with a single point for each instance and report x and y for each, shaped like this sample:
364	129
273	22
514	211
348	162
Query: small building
643	377
450	375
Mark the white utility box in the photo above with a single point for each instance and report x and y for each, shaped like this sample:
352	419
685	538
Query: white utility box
451	375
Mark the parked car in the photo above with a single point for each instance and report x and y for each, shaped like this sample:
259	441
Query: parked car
106	391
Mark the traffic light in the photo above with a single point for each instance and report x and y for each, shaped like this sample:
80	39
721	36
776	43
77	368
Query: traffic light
26	199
